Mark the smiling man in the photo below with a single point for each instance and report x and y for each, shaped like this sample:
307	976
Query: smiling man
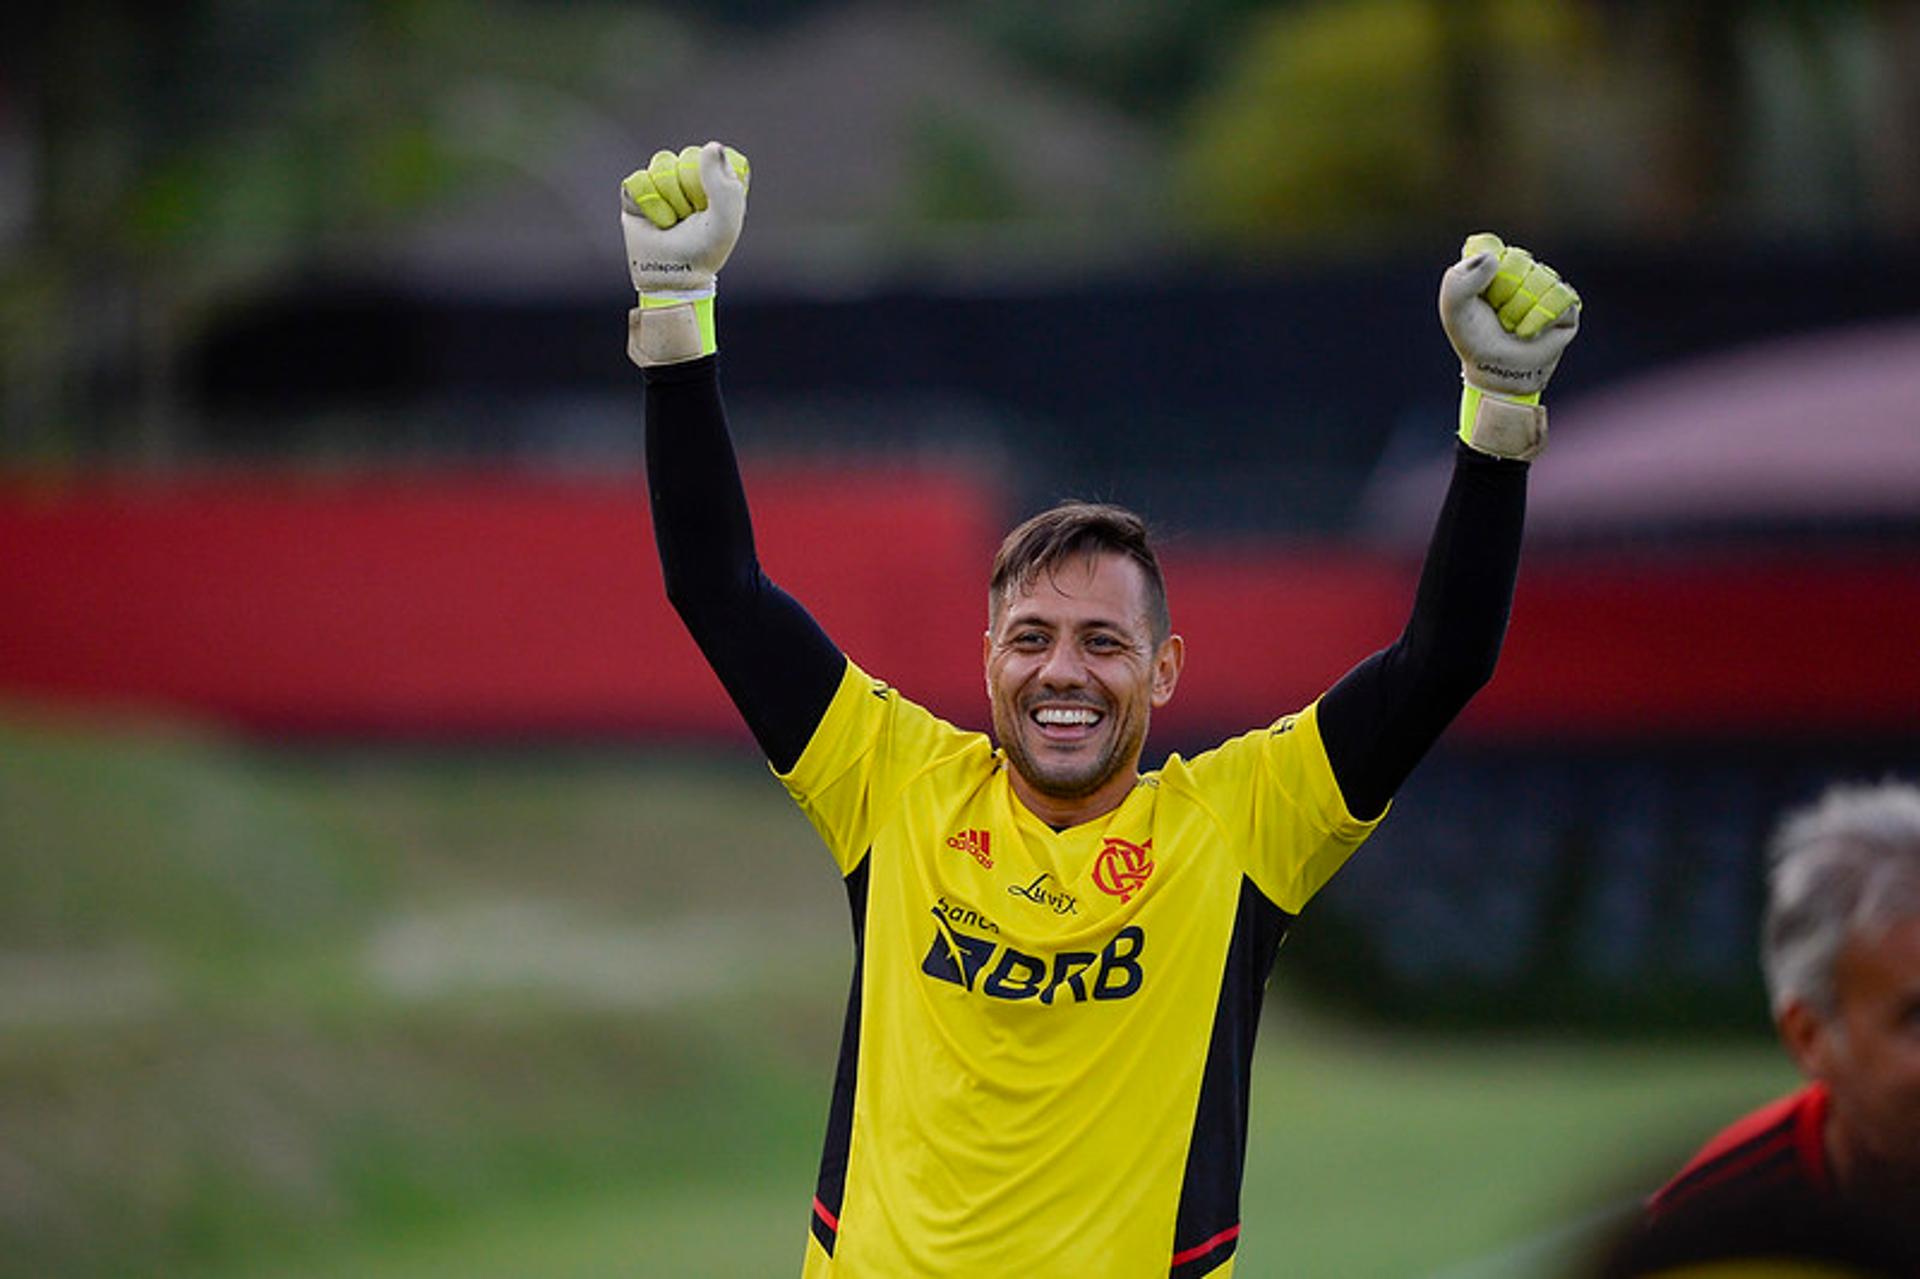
1059	959
1079	650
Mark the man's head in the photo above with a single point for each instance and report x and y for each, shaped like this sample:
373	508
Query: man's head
1078	651
1074	530
1841	949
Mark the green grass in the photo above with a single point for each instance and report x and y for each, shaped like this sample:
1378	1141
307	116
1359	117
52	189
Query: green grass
279	1015
1395	1155
1367	1159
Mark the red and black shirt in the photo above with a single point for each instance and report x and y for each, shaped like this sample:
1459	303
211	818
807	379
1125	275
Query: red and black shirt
1778	1150
1764	1190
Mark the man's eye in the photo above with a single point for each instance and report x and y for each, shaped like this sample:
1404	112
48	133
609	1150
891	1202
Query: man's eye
1029	639
1104	643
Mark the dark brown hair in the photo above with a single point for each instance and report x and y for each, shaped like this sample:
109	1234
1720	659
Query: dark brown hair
1071	530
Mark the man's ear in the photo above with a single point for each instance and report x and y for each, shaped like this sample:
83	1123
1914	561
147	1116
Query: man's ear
1167	665
1811	1039
986	661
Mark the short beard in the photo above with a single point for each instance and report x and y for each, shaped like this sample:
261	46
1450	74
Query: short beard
1125	745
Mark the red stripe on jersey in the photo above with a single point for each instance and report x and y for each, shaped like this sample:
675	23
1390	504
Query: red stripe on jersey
1202	1249
1810	1137
1787	1134
820	1211
1731	1167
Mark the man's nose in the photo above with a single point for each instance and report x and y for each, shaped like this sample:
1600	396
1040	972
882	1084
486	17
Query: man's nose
1063	667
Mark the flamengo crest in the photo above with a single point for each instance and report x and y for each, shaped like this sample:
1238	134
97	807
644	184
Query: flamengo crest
1121	867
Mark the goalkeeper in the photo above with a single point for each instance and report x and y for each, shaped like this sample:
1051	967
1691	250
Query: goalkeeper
1059	960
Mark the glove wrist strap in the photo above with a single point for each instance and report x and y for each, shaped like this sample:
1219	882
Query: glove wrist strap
671	328
1509	426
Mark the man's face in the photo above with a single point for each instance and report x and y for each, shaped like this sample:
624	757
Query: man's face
1869	1053
1073	673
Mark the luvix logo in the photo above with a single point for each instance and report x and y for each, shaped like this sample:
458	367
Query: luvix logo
1040	893
977	844
1121	867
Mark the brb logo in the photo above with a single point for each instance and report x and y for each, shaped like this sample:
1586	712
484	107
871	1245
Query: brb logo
1112	972
1121	868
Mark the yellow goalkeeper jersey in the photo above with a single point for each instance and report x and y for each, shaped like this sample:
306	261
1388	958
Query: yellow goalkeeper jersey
1044	1066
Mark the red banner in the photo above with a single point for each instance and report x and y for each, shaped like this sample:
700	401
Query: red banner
503	604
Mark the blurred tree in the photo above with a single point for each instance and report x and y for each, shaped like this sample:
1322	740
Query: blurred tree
1356	122
955	173
1143	55
182	150
759	15
1893	138
1342	123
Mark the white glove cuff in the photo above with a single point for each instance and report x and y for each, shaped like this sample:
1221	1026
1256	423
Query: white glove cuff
671	328
1501	425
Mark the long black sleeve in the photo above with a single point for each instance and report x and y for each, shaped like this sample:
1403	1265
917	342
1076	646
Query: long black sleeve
775	662
1386	712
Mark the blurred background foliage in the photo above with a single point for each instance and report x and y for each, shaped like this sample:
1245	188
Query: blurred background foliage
160	158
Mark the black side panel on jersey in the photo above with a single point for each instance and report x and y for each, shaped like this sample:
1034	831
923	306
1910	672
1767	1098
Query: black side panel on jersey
830	1190
1207	1230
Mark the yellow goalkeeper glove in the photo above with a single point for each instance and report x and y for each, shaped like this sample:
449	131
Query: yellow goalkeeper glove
1509	319
680	217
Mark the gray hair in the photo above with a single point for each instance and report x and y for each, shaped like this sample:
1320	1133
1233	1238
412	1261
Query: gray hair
1845	866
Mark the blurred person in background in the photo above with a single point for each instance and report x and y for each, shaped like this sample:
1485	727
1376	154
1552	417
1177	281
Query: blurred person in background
1059	960
1830	1172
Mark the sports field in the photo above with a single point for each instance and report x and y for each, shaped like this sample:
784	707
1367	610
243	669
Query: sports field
401	1014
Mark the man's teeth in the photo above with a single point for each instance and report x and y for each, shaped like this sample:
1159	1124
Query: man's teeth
1066	715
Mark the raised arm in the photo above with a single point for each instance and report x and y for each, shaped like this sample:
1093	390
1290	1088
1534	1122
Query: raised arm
680	217
1509	319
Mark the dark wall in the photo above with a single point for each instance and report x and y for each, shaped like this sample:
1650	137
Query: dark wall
1230	399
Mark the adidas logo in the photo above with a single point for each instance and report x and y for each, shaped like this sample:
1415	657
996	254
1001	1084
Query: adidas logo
976	844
